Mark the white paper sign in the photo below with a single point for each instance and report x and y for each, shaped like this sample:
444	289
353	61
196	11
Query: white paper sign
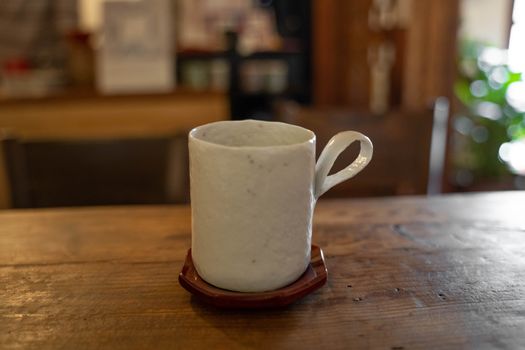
137	47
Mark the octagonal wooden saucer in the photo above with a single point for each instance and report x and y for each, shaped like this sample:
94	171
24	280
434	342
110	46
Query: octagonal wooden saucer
312	279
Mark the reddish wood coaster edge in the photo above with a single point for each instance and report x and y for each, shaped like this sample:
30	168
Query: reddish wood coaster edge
312	279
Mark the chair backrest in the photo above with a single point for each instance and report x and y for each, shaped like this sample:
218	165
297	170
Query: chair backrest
77	172
403	145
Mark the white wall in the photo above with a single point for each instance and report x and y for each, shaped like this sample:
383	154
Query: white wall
90	14
486	20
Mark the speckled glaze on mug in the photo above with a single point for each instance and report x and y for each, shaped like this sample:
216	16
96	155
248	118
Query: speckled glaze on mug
254	186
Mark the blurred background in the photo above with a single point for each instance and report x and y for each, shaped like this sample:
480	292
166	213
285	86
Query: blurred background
97	97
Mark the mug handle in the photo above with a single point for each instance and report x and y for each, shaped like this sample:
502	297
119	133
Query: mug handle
332	150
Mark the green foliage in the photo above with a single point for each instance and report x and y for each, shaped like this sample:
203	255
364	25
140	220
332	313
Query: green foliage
487	119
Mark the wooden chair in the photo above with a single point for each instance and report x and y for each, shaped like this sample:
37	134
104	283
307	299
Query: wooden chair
79	172
409	147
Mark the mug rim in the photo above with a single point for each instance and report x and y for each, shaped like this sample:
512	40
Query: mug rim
311	139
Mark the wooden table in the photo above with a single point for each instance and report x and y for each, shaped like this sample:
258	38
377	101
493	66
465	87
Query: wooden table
404	273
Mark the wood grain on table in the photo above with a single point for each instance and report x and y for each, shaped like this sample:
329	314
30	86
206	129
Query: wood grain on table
404	273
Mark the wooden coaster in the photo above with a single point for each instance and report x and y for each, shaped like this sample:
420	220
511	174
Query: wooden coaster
312	279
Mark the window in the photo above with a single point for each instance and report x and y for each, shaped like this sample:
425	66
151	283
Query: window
517	37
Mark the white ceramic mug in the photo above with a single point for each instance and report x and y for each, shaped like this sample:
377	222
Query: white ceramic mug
254	186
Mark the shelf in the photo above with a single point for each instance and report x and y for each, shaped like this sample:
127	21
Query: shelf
273	54
263	94
204	55
196	54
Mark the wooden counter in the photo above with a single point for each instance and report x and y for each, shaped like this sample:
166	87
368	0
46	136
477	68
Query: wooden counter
86	115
